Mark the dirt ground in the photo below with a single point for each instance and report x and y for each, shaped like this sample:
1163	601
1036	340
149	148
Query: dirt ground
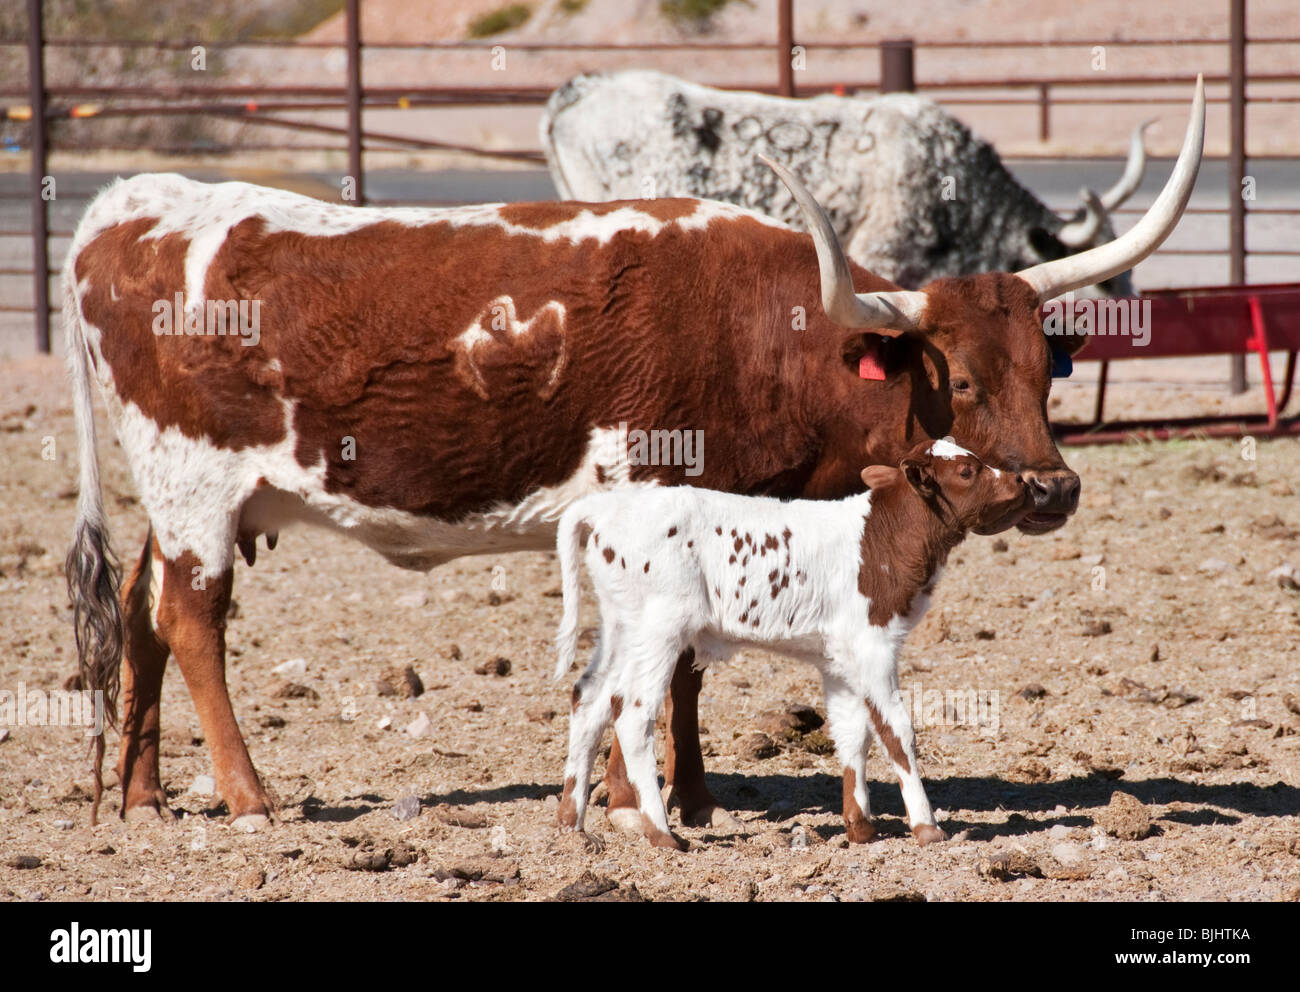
1144	649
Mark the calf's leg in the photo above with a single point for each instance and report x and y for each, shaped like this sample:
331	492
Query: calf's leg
851	730
621	809
589	715
634	721
683	761
640	681
889	717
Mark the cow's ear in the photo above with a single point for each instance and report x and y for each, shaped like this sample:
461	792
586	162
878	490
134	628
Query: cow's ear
879	476
920	477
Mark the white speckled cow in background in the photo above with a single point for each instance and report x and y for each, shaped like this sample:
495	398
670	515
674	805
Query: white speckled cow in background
838	584
911	192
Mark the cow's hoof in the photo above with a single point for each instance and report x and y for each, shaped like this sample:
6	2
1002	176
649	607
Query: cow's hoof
250	823
149	812
928	833
715	817
625	818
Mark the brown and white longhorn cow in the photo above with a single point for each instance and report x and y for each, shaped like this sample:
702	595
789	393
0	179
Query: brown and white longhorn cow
439	383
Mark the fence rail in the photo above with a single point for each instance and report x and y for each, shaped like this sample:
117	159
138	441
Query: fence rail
264	106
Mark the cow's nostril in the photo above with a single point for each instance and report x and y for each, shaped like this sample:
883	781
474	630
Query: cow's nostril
1040	490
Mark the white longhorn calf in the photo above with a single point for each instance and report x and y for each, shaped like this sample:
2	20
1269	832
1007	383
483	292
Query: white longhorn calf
838	584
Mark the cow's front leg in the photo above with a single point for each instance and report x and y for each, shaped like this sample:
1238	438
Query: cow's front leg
893	726
192	621
684	783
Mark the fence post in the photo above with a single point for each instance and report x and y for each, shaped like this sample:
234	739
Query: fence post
897	58
354	99
40	219
784	47
1044	112
1237	167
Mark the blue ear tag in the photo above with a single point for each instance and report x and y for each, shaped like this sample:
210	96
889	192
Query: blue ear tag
1062	364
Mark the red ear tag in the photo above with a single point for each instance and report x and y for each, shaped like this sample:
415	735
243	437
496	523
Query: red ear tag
870	365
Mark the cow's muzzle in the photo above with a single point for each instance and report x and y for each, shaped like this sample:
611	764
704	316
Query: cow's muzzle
1055	494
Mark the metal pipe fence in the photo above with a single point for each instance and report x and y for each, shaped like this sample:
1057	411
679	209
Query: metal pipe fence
265	106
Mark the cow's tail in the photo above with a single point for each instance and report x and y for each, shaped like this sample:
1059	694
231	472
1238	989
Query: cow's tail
571	539
93	574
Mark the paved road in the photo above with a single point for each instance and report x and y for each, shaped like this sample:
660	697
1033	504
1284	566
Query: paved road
1057	183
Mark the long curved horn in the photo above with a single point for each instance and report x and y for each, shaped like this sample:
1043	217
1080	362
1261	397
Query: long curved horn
1078	233
897	311
1136	165
1051	279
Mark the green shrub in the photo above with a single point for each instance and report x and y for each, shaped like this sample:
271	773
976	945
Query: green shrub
505	19
693	13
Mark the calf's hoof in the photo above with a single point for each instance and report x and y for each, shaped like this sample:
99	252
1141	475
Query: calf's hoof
860	831
928	833
661	838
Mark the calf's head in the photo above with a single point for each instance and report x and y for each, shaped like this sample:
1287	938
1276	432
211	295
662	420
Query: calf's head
983	365
965	493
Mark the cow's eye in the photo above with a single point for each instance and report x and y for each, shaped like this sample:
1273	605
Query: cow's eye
961	385
967	471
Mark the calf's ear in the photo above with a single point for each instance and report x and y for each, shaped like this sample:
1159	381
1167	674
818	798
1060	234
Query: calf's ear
878	476
920	477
